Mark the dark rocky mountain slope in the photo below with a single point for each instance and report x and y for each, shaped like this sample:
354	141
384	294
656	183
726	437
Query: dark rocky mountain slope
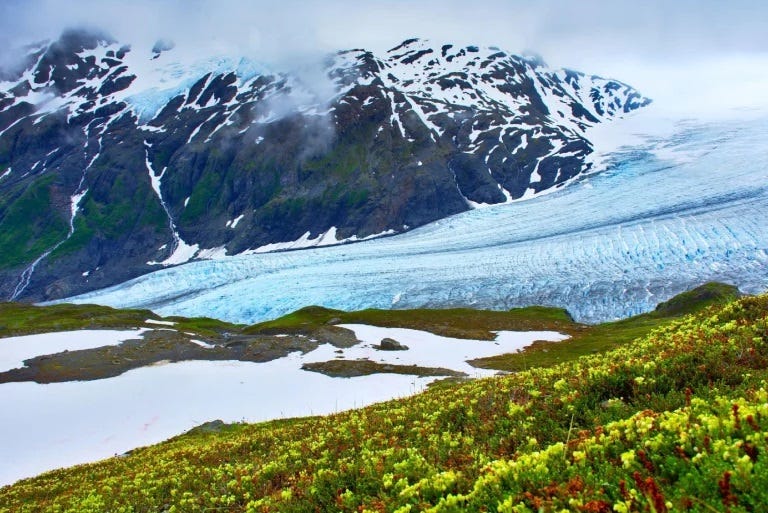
114	163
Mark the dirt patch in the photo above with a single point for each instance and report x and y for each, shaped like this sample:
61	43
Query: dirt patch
352	368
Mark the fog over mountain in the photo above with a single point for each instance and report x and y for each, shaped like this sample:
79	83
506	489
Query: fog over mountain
657	46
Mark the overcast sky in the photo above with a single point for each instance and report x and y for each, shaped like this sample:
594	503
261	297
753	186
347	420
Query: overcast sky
684	53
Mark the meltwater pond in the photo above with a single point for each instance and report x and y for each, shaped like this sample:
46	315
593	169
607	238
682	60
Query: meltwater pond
666	215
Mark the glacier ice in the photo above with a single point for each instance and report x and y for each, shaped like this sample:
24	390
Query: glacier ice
667	213
158	81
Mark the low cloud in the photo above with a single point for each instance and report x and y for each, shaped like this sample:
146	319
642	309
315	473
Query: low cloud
282	29
658	46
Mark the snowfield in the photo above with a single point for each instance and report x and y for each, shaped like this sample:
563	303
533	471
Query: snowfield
683	204
64	424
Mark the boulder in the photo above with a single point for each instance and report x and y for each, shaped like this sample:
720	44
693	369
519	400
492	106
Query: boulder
390	344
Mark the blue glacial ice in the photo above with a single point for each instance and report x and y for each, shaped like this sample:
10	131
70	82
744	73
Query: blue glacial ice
159	81
666	214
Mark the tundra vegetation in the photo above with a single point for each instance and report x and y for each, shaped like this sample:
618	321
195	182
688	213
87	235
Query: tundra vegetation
675	420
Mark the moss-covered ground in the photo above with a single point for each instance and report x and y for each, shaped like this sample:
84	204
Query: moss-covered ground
24	319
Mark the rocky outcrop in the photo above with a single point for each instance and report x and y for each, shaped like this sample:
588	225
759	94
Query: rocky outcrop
390	344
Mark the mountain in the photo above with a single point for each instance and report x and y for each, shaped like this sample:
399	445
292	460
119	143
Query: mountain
114	163
680	207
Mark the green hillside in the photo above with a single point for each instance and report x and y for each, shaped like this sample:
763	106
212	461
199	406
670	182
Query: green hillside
675	421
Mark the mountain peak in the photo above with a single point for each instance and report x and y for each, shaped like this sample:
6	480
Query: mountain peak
405	44
83	38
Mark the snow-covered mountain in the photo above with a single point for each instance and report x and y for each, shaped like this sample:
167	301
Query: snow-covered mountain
115	163
683	207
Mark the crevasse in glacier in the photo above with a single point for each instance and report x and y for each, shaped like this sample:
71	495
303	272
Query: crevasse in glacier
666	214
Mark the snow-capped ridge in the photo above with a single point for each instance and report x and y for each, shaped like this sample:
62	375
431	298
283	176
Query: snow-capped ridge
222	155
429	76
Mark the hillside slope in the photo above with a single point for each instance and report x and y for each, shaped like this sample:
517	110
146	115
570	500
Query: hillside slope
674	421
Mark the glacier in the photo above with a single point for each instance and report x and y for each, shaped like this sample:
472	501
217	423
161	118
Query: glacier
667	212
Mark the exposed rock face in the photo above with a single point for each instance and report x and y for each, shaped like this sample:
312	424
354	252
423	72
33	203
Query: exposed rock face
113	164
390	344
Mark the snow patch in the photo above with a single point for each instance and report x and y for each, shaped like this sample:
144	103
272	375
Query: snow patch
233	222
429	350
15	350
212	253
324	239
162	323
327	238
183	253
200	343
75	202
98	419
198	127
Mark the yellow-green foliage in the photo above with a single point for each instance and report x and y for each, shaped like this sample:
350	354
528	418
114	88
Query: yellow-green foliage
675	421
